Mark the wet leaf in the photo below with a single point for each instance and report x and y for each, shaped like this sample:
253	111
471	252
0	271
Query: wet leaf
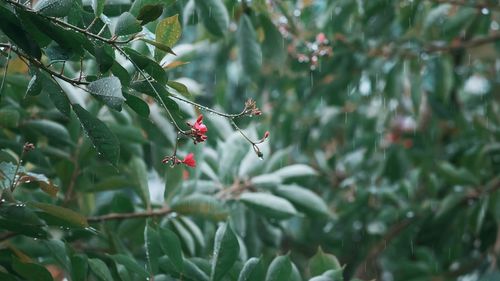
101	137
109	90
268	205
226	252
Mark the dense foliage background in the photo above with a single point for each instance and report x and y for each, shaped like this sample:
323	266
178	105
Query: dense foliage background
382	161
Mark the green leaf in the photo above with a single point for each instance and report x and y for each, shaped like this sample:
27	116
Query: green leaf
249	51
8	173
180	88
268	205
194	230
34	86
137	104
226	252
280	269
65	214
21	219
51	129
273	46
232	151
140	177
138	5
456	175
55	93
322	278
168	32
159	92
184	235
98	7
109	90
9	118
127	133
127	24
153	249
100	269
123	272
119	71
54	8
330	275
101	137
171	246
295	171
149	13
215	16
58	250
148	65
31	271
322	262
295	275
159	47
448	203
266	181
11	26
202	206
72	43
304	199
253	270
7	277
438	78
194	272
131	265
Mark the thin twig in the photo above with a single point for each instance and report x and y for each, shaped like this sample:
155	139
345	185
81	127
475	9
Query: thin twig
41	66
122	216
227	115
8	235
152	87
5	71
76	171
466	3
378	248
76	28
464	45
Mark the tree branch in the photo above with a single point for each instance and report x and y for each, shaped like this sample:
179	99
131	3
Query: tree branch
469	4
122	216
76	28
41	66
464	45
362	271
8	235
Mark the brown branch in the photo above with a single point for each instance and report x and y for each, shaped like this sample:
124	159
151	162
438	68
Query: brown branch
76	171
464	45
8	235
122	216
76	28
471	4
362	271
40	65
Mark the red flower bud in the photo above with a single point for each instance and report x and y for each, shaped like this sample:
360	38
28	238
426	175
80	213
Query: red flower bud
189	160
198	130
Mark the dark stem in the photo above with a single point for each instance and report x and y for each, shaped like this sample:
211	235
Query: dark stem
5	71
122	216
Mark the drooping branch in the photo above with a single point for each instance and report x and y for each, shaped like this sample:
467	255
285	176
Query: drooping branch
122	216
433	48
472	4
375	251
30	60
86	32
